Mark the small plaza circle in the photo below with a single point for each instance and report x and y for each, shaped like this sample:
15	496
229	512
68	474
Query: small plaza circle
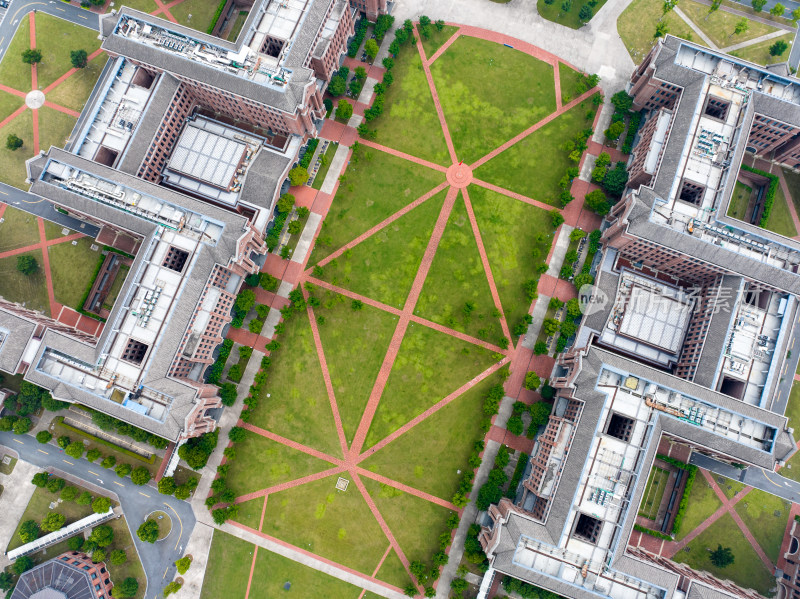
459	175
34	99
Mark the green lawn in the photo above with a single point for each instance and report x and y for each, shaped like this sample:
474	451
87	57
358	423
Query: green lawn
116	287
250	511
319	178
637	24
418	537
355	343
792	468
39	507
237	25
541	156
766	516
268	463
383	266
793	183
333	524
759	53
72	268
196	14
457	278
13	72
780	219
273	571
228	570
56	38
131	568
555	12
13	169
739	200
429	366
30	290
517	236
409	122
393	572
375	186
729	487
569	79
18	229
147	6
74	91
720	24
436	39
430	455
793	407
54	128
747	571
298	406
653	493
8	104
468	77
703	502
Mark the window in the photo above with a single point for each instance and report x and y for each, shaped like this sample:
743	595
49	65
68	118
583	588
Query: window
717	108
620	427
134	351
588	528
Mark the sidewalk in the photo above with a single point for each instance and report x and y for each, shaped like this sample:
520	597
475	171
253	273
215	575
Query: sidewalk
17	492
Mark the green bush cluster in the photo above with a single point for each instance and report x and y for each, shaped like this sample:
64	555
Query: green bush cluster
197	450
214	373
109	423
99	441
274	235
691	472
517	476
361	32
305	161
492	490
527	591
473	551
633	127
382	25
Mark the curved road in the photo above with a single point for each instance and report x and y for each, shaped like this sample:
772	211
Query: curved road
157	559
17	9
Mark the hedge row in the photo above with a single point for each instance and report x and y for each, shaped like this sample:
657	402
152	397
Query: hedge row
215	372
651	532
633	127
217	15
770	197
355	44
517	476
305	161
691	471
114	446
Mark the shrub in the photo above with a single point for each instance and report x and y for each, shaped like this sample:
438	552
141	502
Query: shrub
515	425
172	587
54	484
69	493
532	381
102	535
31	56
125	589
28	531
197	450
118	557
540	348
166	486
651	532
123	470
43	436
109	462
84	498
93	454
183	564
75	543
13	142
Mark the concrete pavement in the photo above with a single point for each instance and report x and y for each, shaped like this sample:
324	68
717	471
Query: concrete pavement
157	559
17	492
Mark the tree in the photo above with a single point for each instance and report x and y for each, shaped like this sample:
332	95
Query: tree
183	564
102	535
127	588
566	6
778	48
344	110
615	180
79	59
777	10
715	4
196	450
53	522
722	557
758	5
148	531
75	543
108	462
532	381
13	142
596	202
556	219
101	505
98	555
74	450
6	581
550	326
84	498
140	476
615	130
540	413
172	587
22	426
371	48
741	27
661	30
123	470
28	531
23	564
27	265
93	455
796	15
285	204
237	434
540	348
667	7
166	486
43	436
55	484
585	13
298	176
32	56
69	493
337	86
118	557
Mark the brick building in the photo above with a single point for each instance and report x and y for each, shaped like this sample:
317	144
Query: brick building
693	316
71	575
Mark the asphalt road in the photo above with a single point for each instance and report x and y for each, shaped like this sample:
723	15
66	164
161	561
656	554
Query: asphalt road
39	207
771	482
17	9
137	502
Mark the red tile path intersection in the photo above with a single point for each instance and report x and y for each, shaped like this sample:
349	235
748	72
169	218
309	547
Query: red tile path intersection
458	177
